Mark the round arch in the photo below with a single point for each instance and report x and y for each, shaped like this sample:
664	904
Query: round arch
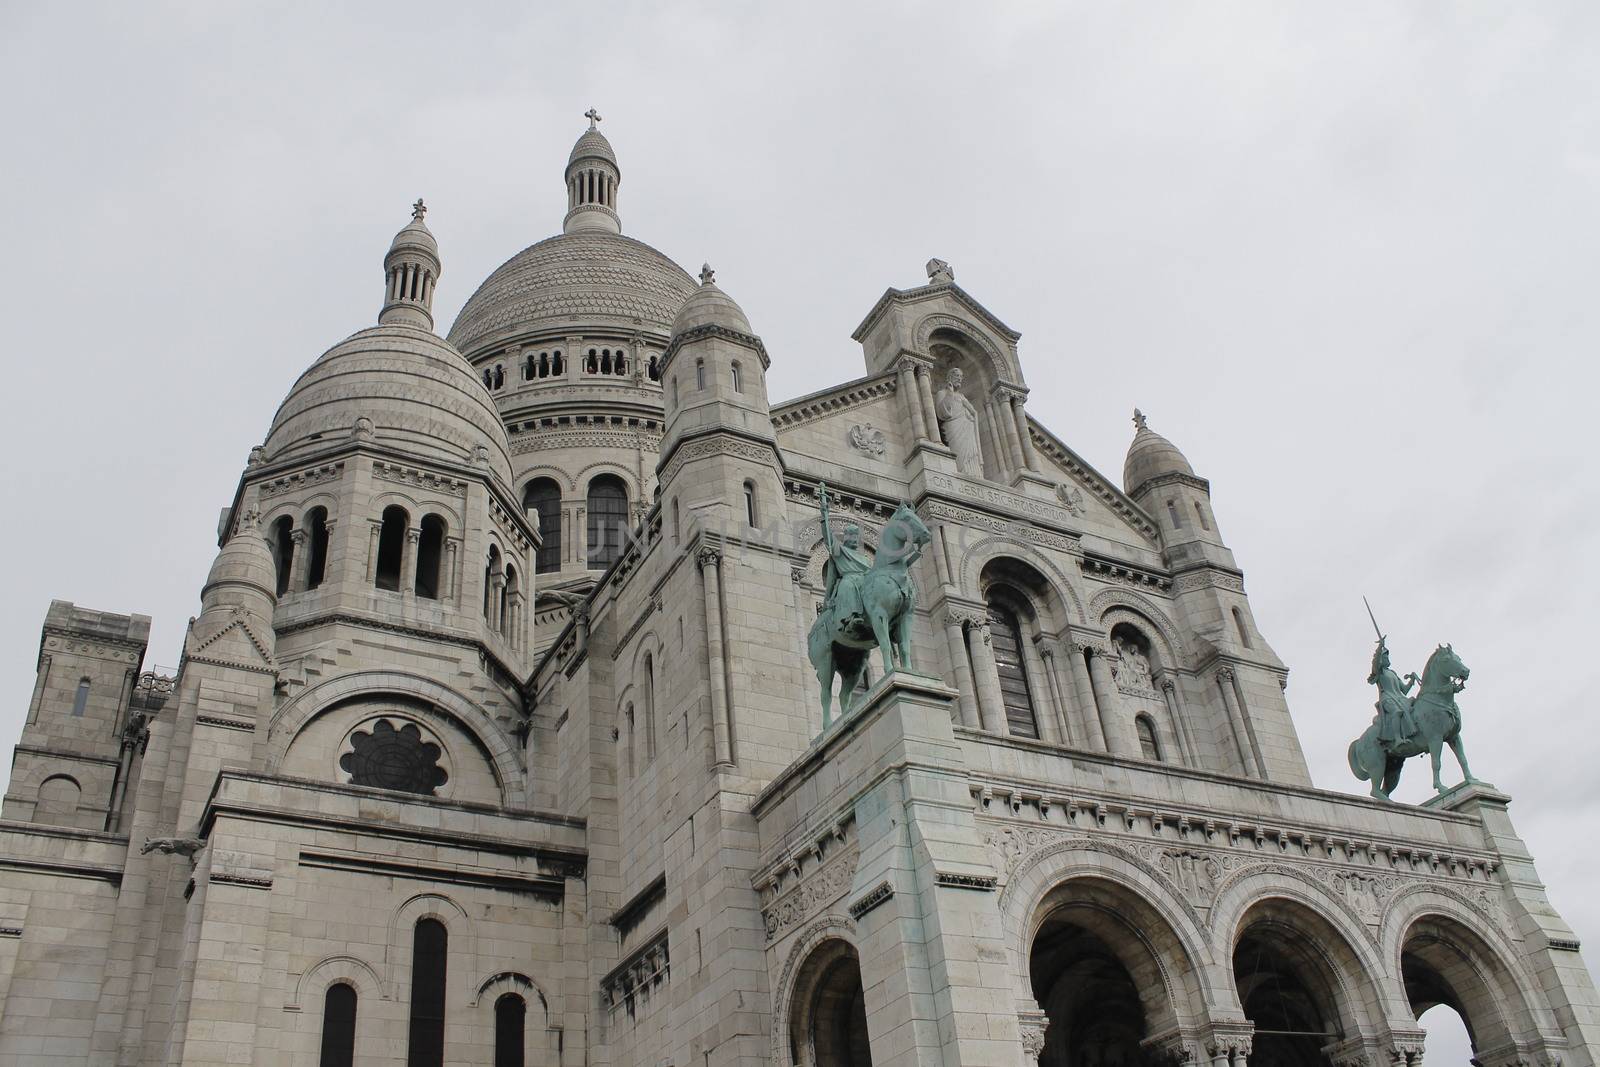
928	325
290	719
463	944
1171	933
827	1017
806	942
352	970
1444	949
1144	611
977	556
556	474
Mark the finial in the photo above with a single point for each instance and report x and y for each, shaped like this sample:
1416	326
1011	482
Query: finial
419	209
1139	420
939	271
707	275
593	116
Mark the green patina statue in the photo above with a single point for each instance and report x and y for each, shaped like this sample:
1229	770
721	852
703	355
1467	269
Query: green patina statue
1407	726
867	603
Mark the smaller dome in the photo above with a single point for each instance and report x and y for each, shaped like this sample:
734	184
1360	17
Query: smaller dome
592	145
1150	456
415	236
709	305
243	575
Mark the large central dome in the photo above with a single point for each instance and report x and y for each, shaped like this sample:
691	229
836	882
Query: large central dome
588	277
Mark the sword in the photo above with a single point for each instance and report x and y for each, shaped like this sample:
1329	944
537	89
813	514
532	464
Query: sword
1374	619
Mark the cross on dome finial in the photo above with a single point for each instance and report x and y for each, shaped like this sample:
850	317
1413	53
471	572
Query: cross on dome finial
419	209
593	116
1139	420
707	275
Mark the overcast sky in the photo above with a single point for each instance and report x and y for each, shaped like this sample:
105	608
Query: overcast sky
1344	256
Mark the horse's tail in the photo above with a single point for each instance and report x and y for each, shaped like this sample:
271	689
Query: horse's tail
1355	767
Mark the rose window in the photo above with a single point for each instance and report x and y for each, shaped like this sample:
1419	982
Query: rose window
390	758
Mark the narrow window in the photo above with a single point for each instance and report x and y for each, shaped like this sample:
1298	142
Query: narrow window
283	551
1244	634
81	700
608	519
699	374
1172	512
1147	738
508	602
1006	640
391	546
510	1020
428	955
633	741
493	572
677	532
621	365
430	557
738	386
543	495
593	363
605	361
654	369
1200	513
557	363
750	504
338	1027
649	708
317	520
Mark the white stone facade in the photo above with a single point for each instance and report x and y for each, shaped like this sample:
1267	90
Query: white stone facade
497	728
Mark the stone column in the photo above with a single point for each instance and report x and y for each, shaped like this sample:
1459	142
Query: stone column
710	561
452	547
912	398
1236	719
962	669
580	538
333	558
1169	692
1029	456
991	706
1088	717
372	553
1007	419
930	410
941	559
1049	651
1105	702
497	603
408	562
300	568
1046	714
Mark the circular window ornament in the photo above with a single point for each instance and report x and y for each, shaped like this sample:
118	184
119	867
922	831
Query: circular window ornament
384	755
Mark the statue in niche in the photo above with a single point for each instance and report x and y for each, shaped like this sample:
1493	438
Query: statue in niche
958	422
1133	670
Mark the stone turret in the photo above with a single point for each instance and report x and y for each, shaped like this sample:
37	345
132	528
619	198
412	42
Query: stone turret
1157	475
410	271
592	179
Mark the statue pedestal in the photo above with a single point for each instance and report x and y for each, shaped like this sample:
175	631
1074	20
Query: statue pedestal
1468	798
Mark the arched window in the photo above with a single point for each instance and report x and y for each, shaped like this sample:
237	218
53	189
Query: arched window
605	361
1200	513
80	699
493	574
283	551
430	945
510	1020
391	546
1148	745
677	531
1005	637
621	364
338	1027
430	557
1244	633
649	707
556	363
653	370
499	376
750	515
317	521
543	495
699	374
1175	515
592	365
608	520
738	384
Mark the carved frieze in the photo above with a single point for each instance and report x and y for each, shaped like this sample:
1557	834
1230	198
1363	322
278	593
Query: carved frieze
717	445
1208	579
289	483
1022	531
415	478
993	496
814	892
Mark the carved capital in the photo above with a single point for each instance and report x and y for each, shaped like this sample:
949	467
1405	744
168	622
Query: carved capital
1226	674
1168	686
297	537
414	535
708	557
1047	646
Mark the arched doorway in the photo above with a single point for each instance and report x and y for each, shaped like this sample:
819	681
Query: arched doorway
1096	969
828	1023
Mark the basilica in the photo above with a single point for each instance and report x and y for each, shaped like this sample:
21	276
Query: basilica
499	735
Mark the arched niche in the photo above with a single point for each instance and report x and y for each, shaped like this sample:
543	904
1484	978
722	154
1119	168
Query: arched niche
953	349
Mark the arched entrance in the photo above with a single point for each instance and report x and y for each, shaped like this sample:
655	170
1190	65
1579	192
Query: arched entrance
828	1022
1096	969
1442	962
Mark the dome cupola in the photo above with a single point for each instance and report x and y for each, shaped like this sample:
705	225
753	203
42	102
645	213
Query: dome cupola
1150	456
709	305
592	178
410	271
243	575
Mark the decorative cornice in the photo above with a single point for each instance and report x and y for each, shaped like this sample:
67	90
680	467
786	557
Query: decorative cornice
1119	502
1127	573
304	479
814	406
875	896
926	292
418	478
226	724
712	329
